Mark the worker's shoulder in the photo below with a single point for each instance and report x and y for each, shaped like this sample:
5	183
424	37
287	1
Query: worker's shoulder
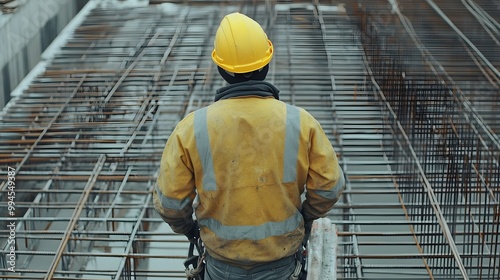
187	119
185	125
304	114
307	119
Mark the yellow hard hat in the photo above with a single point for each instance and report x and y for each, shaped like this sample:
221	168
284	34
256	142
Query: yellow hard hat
241	45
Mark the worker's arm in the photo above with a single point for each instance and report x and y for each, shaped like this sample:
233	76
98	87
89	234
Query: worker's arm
325	180
175	191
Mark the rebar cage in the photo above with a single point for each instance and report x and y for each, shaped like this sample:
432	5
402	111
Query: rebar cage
446	150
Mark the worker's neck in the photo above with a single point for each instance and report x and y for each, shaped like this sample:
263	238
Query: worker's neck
247	88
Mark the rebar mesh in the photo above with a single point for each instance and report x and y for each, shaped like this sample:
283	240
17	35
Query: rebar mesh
412	119
441	144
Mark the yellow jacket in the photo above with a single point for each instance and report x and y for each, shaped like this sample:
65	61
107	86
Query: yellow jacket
248	157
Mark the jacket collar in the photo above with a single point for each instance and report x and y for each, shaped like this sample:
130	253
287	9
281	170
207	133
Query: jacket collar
248	88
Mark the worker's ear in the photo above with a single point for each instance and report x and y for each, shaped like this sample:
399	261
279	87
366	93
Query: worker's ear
260	75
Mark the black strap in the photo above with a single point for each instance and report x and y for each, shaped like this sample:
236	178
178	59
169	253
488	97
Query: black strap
194	264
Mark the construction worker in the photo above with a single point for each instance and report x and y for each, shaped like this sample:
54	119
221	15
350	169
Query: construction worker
248	157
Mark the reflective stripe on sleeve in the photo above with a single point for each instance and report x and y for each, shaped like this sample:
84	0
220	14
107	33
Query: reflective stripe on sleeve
204	151
171	203
292	135
253	232
335	191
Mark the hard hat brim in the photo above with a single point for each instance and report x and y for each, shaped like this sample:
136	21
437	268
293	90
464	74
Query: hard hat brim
245	68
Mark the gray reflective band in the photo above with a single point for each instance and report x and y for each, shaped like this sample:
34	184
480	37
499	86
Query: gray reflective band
204	151
253	232
292	137
335	191
171	203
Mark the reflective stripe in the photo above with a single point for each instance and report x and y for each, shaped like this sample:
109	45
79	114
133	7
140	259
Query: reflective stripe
204	151
253	232
292	135
335	191
171	203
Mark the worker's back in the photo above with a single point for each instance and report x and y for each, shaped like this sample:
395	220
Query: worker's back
249	201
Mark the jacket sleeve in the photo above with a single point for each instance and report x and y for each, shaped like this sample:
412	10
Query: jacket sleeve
325	179
175	190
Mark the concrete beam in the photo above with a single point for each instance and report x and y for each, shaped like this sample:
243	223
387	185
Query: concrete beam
322	251
25	34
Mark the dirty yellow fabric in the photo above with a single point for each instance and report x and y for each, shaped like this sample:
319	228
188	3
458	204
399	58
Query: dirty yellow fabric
251	202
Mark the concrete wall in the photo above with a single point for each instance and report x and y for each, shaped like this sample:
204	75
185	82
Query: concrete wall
25	34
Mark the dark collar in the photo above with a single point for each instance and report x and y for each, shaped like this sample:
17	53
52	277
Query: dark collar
248	88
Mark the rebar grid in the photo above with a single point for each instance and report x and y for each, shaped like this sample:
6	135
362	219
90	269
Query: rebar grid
87	135
451	157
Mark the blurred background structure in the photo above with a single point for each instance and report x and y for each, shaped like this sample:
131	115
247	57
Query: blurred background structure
407	91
